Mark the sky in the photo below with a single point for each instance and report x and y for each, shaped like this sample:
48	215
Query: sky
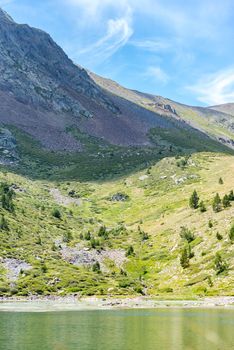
179	49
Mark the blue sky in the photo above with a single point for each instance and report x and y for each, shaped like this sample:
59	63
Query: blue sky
180	49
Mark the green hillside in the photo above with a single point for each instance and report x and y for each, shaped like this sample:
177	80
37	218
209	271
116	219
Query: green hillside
124	236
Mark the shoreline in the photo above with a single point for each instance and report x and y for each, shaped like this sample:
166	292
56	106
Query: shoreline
73	303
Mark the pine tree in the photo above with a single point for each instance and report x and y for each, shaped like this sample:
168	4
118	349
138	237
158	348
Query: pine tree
184	258
216	205
231	195
226	201
194	200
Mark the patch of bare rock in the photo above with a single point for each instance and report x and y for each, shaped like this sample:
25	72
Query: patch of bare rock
81	256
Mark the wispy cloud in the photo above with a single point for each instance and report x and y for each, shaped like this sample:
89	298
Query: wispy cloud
115	17
215	88
157	73
117	35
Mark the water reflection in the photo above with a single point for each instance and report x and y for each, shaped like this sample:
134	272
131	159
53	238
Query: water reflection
165	329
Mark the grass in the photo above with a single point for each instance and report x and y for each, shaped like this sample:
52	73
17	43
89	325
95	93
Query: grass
156	202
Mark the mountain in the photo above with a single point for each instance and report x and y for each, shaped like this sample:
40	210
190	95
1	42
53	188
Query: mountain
43	93
97	182
227	108
217	121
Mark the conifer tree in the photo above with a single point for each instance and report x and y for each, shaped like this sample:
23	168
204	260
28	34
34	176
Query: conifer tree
231	195
216	205
194	200
226	201
184	258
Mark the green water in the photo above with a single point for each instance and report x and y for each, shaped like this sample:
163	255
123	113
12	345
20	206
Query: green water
164	329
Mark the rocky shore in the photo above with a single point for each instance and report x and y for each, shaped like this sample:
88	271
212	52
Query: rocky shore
72	303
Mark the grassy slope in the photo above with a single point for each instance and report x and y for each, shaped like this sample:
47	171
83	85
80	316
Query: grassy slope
156	204
207	120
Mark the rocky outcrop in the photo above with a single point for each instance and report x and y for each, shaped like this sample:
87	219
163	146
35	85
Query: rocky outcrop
37	71
81	256
119	197
14	267
8	148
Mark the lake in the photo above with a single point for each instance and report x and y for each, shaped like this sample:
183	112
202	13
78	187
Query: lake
143	329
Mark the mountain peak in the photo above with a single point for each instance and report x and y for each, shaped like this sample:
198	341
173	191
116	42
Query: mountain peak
4	16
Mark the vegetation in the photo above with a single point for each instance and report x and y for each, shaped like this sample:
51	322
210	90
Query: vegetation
220	264
101	247
194	200
216	204
186	234
231	234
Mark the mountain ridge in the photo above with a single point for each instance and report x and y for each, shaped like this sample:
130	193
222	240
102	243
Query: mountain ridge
43	93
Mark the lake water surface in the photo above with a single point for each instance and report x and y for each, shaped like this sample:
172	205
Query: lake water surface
156	329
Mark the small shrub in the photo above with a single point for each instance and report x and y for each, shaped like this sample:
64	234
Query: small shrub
220	181
103	232
130	251
56	213
87	236
94	243
96	267
186	234
226	201
67	237
219	236
210	224
4	224
44	268
219	265
202	207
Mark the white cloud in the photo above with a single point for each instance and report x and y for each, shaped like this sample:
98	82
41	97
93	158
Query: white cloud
215	88
158	74
114	17
117	35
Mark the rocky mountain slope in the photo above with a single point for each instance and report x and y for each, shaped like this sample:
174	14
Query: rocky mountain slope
227	108
43	93
216	121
